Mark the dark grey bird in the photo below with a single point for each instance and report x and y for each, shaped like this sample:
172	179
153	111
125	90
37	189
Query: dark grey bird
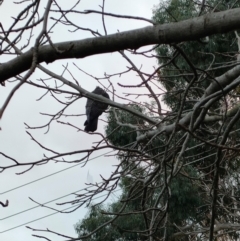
94	109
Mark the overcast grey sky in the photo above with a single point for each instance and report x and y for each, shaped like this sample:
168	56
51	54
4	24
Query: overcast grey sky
24	108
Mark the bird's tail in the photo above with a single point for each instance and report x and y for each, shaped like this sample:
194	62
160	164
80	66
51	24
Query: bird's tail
91	125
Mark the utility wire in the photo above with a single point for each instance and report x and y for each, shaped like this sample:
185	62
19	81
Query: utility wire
28	183
6	230
26	210
54	173
51	214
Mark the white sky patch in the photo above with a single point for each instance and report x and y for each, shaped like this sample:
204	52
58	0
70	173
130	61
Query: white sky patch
24	108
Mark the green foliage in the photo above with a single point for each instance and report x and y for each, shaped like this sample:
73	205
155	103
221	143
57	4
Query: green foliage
93	220
125	227
122	135
212	57
185	198
174	11
183	205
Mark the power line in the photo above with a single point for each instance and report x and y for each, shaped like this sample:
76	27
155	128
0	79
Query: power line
51	214
29	209
40	205
28	183
6	230
54	173
26	210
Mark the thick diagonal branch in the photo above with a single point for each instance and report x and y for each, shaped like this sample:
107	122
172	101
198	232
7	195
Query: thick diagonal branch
191	29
